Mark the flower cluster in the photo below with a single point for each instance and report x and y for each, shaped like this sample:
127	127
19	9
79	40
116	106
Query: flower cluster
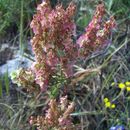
55	53
52	43
97	32
108	104
125	85
56	117
26	79
122	86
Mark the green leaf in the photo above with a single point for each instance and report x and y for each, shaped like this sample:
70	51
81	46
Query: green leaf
60	53
1	90
6	81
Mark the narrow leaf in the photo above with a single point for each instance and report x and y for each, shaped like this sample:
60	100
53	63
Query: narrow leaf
6	81
1	92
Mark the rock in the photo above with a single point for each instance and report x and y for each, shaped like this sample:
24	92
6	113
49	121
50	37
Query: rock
6	53
11	59
14	64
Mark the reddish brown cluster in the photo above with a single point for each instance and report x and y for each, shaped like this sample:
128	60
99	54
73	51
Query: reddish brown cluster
54	48
26	79
97	32
57	116
52	43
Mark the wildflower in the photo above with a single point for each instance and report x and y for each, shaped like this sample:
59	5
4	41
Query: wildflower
118	127
108	104
55	117
128	89
106	100
113	128
127	83
53	43
121	85
53	30
96	32
112	106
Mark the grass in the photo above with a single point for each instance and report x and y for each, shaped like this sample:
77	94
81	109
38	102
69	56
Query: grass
21	27
90	112
13	20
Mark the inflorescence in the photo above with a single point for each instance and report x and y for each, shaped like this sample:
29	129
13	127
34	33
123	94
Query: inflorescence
56	51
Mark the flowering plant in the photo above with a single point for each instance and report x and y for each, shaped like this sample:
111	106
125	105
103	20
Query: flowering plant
56	52
53	45
56	117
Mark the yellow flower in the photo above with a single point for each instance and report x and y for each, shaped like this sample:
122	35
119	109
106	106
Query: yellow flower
106	100
113	106
127	83
107	104
121	86
128	89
